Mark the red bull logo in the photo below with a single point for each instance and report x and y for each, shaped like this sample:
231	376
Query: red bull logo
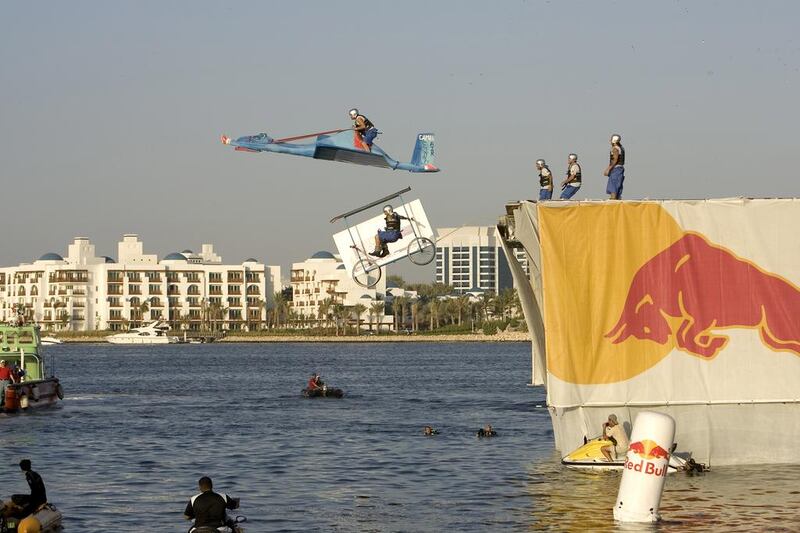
648	451
694	288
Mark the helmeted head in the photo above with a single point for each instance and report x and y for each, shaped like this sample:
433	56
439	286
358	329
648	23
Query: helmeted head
572	158
388	209
25	465
540	164
353	113
616	138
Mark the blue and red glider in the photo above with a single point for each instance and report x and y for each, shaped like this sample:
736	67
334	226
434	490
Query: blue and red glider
340	145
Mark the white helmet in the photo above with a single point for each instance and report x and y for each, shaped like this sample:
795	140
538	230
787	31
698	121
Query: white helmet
616	138
388	209
540	163
353	113
573	157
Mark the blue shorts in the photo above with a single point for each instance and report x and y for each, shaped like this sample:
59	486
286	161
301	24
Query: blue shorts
369	136
545	194
391	235
568	192
615	180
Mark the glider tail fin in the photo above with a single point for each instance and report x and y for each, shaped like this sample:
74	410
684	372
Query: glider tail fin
423	155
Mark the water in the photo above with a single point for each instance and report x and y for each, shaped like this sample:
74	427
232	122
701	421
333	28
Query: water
140	425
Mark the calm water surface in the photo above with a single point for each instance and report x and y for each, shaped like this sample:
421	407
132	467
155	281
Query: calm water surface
140	425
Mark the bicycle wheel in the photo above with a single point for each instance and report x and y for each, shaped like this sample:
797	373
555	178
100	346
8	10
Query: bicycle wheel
421	251
367	274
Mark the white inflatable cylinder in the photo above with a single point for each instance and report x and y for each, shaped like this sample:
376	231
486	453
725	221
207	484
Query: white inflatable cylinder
645	469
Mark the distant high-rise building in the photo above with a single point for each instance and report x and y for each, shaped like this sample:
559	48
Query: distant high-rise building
471	257
84	291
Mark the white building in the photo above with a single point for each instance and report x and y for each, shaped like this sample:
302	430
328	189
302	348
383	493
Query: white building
471	257
84	292
323	276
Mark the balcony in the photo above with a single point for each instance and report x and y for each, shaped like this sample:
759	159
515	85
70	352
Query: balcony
134	289
115	289
173	291
193	279
234	289
235	278
154	279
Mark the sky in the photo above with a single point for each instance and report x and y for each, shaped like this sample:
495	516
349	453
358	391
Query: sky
111	112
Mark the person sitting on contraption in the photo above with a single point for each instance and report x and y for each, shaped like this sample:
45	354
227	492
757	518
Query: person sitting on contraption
392	232
365	128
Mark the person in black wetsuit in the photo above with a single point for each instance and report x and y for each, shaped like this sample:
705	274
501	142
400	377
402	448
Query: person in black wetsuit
487	431
207	509
38	496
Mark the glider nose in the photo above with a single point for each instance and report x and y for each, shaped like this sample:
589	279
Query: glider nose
225	139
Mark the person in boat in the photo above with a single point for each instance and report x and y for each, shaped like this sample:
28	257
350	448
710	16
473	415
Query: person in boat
6	378
392	232
364	127
429	431
487	431
208	508
614	432
28	503
315	382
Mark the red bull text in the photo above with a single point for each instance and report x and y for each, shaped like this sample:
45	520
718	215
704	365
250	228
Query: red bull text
647	451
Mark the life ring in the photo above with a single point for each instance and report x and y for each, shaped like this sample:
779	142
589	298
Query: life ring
60	391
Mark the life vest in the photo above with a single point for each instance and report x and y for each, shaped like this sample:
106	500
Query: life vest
368	125
545	181
393	222
577	174
621	159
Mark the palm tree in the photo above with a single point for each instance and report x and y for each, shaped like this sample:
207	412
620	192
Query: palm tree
142	309
399	308
433	308
281	307
378	309
358	310
415	309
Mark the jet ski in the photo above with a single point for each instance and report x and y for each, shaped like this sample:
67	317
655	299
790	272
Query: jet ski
45	519
589	457
323	392
232	527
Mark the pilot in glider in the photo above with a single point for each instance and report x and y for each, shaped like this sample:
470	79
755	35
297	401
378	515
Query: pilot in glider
351	145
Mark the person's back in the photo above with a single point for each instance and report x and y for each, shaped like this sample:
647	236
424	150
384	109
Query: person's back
209	509
38	492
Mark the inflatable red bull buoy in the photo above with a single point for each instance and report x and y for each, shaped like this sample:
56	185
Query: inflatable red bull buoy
645	468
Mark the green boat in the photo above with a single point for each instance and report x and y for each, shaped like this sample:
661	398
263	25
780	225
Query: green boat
30	386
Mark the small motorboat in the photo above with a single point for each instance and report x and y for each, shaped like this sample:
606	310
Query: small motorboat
46	518
589	457
50	341
323	392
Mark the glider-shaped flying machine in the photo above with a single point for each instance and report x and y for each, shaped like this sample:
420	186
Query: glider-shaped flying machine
340	145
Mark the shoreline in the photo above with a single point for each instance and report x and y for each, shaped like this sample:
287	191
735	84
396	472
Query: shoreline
515	336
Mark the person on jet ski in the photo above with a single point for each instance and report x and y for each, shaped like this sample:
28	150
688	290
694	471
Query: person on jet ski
615	433
28	503
207	509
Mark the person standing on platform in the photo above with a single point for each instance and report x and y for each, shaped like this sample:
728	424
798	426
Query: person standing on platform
616	168
572	182
545	180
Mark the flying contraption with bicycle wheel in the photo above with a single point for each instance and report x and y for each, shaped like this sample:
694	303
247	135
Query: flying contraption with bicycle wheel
414	238
343	145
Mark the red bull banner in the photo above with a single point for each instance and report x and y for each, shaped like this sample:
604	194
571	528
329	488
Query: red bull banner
669	303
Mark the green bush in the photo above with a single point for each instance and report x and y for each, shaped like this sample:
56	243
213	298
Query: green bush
490	327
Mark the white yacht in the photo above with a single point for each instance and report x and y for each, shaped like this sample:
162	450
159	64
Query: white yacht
50	341
155	333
